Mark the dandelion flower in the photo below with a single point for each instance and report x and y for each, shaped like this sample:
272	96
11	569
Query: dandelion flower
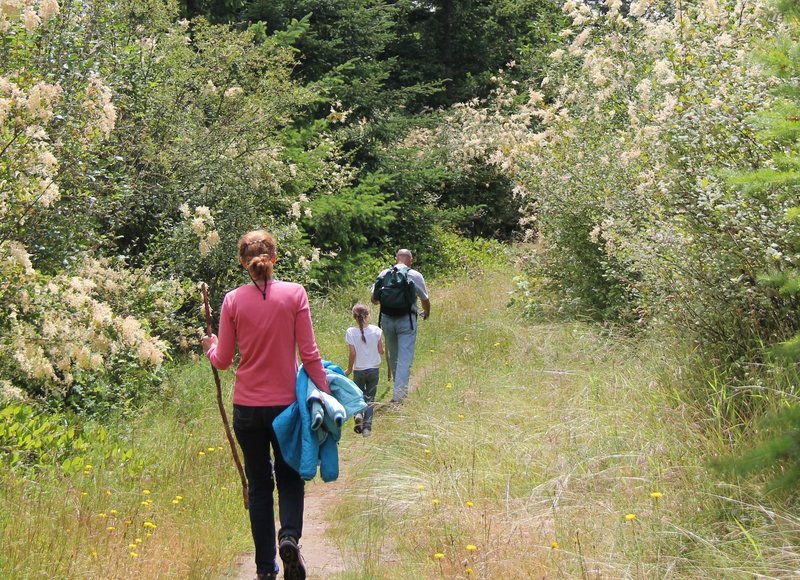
111	528
137	541
150	525
212	449
435	501
448	386
438	556
469	504
427	452
179	497
656	495
471	547
133	554
84	494
420	487
108	492
93	554
176	501
88	467
146	491
113	512
554	545
101	515
131	546
496	344
460	416
201	453
630	517
468	571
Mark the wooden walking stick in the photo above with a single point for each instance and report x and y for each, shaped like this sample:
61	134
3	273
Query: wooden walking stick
221	405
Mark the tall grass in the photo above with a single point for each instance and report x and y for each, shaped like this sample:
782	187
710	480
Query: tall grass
524	450
551	449
163	503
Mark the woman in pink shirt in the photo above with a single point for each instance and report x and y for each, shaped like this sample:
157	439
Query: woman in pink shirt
270	321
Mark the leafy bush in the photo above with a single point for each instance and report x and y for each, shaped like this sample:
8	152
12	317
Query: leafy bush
93	339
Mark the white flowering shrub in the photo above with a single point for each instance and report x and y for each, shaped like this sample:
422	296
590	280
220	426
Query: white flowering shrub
621	155
93	340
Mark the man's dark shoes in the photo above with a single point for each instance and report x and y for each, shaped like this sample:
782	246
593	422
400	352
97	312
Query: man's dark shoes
293	566
266	576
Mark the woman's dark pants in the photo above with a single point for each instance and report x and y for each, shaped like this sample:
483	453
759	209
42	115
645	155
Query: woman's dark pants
253	428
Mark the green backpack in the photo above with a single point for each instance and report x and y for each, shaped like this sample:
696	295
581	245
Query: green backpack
395	292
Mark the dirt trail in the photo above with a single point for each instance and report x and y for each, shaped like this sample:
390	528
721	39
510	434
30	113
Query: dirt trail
322	557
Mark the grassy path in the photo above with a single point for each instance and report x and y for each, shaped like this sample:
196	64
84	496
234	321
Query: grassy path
523	451
531	450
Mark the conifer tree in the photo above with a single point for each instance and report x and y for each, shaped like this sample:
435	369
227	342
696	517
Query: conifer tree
779	456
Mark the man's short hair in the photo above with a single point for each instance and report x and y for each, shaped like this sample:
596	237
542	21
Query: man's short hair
405	253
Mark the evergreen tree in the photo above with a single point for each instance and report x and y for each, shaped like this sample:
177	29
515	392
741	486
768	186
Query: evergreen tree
779	456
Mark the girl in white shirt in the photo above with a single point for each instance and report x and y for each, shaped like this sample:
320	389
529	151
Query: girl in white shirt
365	341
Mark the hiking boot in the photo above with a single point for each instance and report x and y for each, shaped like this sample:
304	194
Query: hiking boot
366	432
293	566
359	422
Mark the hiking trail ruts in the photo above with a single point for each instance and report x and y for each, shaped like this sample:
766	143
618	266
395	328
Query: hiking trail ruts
322	557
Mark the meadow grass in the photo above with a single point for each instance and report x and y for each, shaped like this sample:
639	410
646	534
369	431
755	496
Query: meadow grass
165	502
551	449
525	450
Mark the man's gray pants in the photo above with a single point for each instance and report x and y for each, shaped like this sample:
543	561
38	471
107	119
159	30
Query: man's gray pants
401	339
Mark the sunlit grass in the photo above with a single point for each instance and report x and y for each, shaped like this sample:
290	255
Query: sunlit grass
533	450
524	450
171	509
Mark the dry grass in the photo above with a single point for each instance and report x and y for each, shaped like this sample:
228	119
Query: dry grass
541	446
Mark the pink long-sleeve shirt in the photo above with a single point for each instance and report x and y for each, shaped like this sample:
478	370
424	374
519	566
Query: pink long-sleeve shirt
267	332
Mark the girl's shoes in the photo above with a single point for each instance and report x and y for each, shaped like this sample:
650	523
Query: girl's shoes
359	423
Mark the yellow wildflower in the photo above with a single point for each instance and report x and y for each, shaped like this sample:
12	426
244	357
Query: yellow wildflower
138	541
554	545
179	497
150	525
472	547
131	546
111	528
146	492
469	571
438	556
469	504
427	452
460	416
435	501
497	344
113	512
84	494
133	554
448	386
420	487
212	449
101	515
656	495
201	453
630	517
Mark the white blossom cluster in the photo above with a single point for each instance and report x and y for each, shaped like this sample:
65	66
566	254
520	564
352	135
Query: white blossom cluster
202	223
31	15
625	146
66	325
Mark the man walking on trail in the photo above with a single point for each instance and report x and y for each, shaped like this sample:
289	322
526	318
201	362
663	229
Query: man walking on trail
396	290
